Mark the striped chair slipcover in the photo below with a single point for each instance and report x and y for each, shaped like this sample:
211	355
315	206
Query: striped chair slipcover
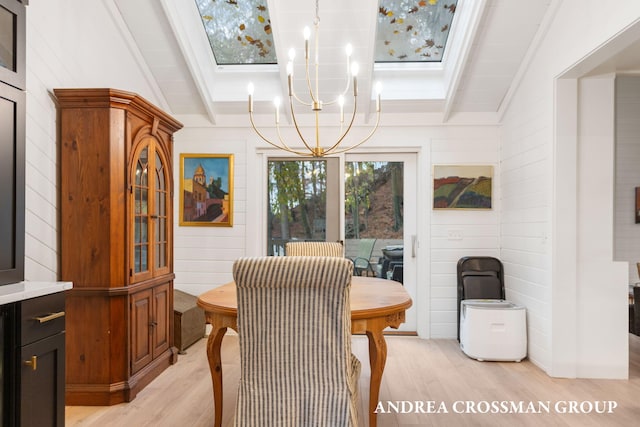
294	327
335	249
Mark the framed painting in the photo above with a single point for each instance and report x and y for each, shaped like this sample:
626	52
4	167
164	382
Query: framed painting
462	186
206	190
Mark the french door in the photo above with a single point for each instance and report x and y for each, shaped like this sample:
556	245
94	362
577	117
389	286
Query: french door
360	199
380	206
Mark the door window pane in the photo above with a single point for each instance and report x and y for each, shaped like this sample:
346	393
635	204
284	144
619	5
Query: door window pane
297	202
374	203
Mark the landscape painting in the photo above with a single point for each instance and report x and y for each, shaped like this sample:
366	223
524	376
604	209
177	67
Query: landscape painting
462	186
206	189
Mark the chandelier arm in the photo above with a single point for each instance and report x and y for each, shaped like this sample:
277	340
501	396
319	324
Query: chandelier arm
361	142
306	104
285	148
308	79
353	117
295	124
284	144
344	92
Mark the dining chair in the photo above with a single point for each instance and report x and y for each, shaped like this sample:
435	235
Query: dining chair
335	249
294	330
362	261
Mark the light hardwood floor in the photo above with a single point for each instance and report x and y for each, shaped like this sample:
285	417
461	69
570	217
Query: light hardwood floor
416	370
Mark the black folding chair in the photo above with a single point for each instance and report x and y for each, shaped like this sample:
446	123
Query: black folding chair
479	277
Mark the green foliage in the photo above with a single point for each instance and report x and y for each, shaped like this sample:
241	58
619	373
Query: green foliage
297	187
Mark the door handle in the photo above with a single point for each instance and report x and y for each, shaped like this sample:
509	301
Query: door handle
33	363
414	244
50	317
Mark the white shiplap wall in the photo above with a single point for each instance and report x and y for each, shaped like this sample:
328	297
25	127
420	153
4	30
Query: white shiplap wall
69	44
204	255
627	232
530	175
455	234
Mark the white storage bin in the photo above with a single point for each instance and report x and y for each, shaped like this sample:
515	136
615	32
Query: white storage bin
493	330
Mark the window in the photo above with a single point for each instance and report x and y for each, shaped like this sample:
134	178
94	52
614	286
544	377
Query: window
413	31
239	31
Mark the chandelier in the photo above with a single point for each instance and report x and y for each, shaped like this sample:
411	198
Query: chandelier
315	148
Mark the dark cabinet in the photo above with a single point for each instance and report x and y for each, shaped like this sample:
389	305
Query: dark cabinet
42	382
13	43
12	140
33	367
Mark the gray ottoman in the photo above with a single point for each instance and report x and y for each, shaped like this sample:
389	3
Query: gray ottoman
188	320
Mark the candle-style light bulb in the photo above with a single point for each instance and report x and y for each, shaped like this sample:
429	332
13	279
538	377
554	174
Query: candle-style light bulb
250	90
355	68
276	103
354	71
349	50
378	92
341	104
292	54
306	33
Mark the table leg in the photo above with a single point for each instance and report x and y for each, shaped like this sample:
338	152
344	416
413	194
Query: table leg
377	360
215	365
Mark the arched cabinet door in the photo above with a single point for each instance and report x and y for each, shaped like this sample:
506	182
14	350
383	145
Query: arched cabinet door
150	211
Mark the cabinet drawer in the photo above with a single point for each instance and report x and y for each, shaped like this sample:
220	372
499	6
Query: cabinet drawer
42	317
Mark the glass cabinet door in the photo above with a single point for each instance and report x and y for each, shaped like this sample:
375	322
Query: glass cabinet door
161	216
12	43
141	213
150	213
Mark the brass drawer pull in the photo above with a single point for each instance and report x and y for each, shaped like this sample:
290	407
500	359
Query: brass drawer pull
50	317
33	362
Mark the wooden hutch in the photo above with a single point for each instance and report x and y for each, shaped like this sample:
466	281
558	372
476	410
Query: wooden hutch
116	228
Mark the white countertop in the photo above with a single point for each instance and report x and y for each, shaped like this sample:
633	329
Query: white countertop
24	290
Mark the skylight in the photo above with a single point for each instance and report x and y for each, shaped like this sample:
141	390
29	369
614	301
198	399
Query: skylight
239	31
412	30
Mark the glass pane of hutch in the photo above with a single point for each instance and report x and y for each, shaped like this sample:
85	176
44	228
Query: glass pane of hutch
161	215
7	39
141	220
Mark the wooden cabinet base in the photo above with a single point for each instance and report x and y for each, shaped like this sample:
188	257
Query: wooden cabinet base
125	391
100	359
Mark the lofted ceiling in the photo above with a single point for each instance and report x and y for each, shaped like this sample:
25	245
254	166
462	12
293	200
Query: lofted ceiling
487	43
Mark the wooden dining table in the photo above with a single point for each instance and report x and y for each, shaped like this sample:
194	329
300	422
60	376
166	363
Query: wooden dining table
375	305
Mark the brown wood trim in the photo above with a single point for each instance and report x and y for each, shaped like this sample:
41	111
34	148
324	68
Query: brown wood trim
115	98
144	376
96	290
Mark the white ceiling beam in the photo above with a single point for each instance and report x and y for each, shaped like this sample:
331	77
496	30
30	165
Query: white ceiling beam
467	17
195	47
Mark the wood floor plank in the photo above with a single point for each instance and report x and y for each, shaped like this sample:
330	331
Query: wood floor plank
417	372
